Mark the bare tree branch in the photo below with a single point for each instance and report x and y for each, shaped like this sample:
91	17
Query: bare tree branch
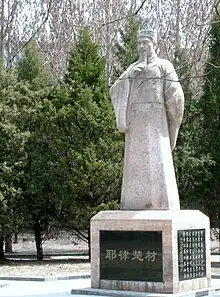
140	7
216	6
33	35
214	66
10	18
2	19
126	16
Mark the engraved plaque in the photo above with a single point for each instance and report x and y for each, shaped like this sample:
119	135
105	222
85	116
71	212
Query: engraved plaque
191	254
131	255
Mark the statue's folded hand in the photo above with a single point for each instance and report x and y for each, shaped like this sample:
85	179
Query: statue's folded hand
137	69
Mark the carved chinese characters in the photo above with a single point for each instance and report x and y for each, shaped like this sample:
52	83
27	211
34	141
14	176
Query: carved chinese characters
192	254
125	255
131	255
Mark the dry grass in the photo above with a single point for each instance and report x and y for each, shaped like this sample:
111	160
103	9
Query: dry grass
66	243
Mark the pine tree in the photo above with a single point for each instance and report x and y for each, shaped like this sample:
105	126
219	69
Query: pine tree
12	156
210	139
92	149
31	68
38	200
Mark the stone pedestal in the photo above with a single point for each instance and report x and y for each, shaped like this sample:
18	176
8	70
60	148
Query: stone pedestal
150	251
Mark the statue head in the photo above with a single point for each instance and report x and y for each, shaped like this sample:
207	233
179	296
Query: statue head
147	40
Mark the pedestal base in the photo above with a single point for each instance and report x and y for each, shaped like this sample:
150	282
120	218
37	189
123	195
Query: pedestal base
116	293
150	251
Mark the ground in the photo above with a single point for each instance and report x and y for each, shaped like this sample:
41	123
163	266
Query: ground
43	289
44	269
66	243
56	265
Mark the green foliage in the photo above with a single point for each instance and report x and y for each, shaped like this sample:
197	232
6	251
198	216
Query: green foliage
89	151
85	66
191	164
73	152
91	146
210	138
61	158
12	155
126	51
37	198
31	68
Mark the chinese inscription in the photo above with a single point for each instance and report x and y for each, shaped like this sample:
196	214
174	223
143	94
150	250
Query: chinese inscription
131	255
192	254
134	255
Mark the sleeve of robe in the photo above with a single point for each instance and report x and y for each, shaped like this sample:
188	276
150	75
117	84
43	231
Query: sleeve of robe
119	94
174	102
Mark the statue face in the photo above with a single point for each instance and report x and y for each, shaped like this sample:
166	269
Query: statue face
145	47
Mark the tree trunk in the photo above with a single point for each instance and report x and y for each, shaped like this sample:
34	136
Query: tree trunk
2	18
177	37
38	241
2	253
8	245
15	238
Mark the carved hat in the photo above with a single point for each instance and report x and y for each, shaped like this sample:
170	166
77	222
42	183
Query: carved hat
148	33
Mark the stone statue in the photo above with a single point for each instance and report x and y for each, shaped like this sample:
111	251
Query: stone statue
148	101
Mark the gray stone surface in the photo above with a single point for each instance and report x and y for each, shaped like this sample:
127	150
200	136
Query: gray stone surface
169	222
117	293
64	288
212	291
148	101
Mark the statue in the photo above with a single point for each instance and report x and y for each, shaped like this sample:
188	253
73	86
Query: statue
148	101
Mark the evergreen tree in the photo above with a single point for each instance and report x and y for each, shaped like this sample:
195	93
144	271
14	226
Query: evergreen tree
210	138
92	149
38	200
31	68
12	156
126	51
190	163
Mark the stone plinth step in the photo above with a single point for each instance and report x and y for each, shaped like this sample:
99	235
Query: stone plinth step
117	293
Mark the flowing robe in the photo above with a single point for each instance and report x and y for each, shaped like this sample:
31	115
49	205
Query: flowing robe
149	110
